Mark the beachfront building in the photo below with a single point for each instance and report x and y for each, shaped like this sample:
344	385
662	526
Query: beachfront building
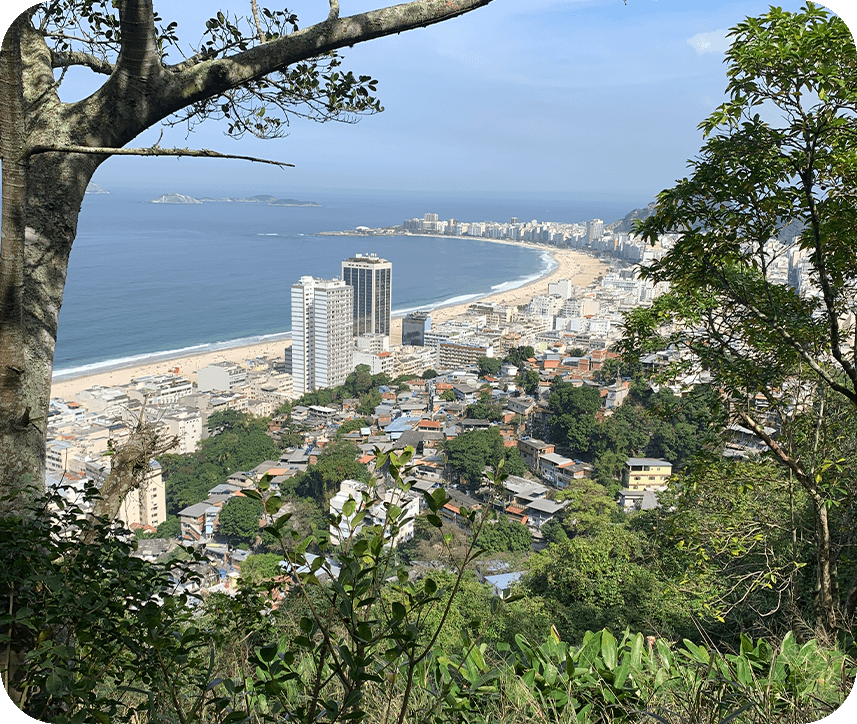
371	279
322	333
220	377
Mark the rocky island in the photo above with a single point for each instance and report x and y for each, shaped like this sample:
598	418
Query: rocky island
266	199
175	199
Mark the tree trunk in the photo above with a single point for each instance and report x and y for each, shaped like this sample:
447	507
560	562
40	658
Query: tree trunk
18	409
827	603
43	192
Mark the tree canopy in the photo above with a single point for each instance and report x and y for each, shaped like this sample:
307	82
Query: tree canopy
469	454
573	414
504	536
766	311
239	519
488	366
519	355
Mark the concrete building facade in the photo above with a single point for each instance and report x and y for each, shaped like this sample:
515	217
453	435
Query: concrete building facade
147	505
322	333
414	328
221	377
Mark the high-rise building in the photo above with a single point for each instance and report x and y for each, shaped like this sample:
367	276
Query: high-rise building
594	229
371	278
322	333
146	505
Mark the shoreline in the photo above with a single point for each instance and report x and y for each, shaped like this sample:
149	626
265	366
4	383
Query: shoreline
581	268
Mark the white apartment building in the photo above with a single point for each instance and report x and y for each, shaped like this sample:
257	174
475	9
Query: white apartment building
186	425
546	305
161	390
220	377
322	333
594	229
109	401
377	363
562	287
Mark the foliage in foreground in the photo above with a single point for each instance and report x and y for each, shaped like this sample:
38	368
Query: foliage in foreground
350	636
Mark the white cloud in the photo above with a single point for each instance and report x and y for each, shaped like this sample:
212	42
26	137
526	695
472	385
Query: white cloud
714	41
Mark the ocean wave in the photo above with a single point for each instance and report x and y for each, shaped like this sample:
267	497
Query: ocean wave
549	264
430	306
151	357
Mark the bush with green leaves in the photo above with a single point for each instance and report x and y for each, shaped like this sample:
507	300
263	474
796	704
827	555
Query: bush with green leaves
356	637
99	627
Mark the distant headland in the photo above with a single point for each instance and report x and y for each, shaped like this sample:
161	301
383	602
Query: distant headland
92	188
266	199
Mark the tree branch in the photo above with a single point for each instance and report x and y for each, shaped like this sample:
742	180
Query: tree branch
139	58
151	151
212	77
258	22
65	59
334	10
786	459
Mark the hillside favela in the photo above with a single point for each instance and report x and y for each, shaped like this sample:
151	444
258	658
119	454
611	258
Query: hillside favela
326	455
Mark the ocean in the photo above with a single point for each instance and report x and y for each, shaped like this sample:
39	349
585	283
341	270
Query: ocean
151	280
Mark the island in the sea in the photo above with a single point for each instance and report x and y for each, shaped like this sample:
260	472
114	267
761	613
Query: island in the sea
268	200
93	188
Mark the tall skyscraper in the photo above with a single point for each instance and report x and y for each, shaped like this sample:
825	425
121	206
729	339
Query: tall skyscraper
372	279
322	333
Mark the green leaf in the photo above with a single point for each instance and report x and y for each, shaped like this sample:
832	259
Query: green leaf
273	504
621	674
267	653
608	649
54	684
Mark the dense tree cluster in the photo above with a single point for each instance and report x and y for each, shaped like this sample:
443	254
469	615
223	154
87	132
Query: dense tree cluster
239	444
486	408
504	535
469	454
239	519
777	159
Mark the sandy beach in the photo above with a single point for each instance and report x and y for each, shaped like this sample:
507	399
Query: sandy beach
577	266
581	268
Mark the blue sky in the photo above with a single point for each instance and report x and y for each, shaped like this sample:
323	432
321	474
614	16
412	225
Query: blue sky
537	97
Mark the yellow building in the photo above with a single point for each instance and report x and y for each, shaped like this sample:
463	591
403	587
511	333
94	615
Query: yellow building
646	473
147	505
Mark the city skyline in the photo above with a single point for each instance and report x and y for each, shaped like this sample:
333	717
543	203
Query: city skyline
548	97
